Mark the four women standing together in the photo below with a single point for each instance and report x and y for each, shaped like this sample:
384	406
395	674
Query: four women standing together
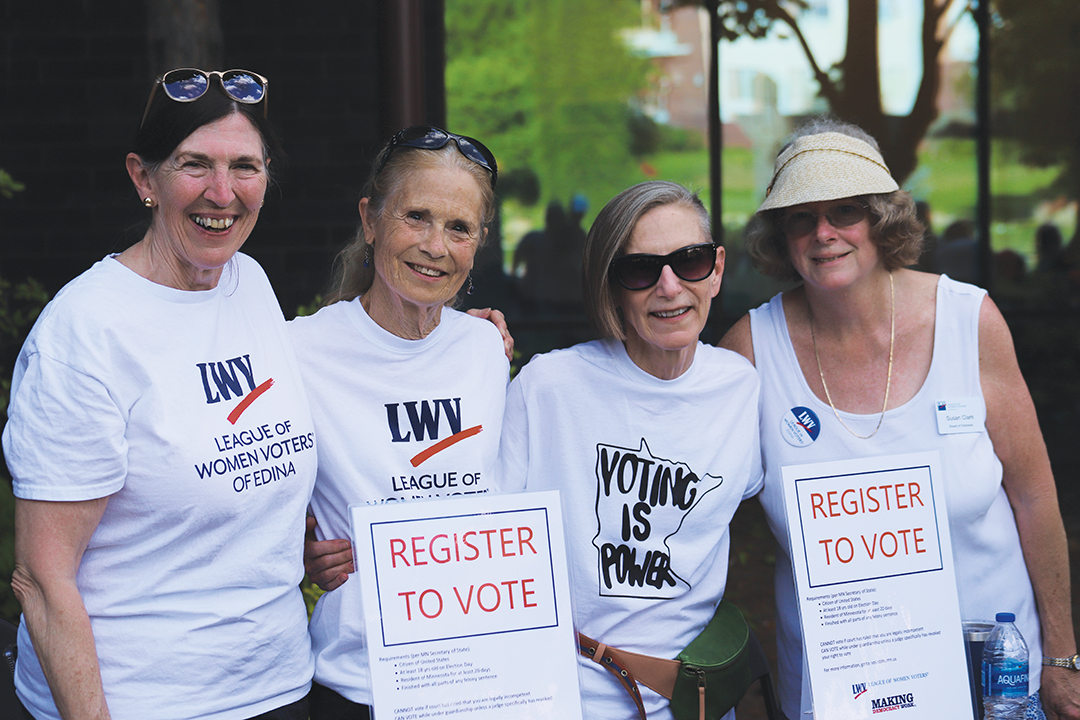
141	594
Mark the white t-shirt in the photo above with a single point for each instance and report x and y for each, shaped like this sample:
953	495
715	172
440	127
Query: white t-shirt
186	409
379	402
651	472
991	575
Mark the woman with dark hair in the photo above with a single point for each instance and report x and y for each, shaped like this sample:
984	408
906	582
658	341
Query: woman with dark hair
870	348
407	393
158	543
648	434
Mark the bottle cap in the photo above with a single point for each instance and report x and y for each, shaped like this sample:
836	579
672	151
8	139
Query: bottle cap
1005	617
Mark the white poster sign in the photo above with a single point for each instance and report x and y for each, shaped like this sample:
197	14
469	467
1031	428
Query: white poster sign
466	604
877	592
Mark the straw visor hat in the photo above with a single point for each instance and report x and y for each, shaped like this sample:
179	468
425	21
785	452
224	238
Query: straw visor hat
826	166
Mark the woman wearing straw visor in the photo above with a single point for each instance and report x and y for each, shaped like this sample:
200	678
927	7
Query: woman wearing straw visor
157	555
407	394
648	434
869	347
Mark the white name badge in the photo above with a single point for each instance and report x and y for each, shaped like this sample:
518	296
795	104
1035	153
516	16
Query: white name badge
961	415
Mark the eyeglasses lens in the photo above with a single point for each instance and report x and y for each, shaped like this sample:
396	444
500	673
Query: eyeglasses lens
424	138
185	85
799	224
473	152
639	272
243	87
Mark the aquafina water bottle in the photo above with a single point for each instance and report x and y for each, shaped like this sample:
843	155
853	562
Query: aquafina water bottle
1005	671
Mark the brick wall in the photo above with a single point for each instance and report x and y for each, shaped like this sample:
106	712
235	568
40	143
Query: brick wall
74	78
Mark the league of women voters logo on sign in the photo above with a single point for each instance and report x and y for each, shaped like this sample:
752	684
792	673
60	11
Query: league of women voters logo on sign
641	502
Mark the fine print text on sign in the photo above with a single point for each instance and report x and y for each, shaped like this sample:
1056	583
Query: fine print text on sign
877	592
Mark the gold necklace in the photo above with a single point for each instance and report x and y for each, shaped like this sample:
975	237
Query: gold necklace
888	378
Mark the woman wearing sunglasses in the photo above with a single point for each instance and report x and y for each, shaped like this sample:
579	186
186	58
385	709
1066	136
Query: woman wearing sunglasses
870	348
407	394
649	435
157	552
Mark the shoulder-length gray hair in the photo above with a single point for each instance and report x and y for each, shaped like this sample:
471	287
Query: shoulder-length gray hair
610	233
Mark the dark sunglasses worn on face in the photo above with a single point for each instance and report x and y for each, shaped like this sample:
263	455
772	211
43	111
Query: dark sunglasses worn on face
641	271
428	137
190	84
801	223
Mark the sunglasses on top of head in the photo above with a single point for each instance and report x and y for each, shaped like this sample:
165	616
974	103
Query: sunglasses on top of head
429	137
801	223
189	84
641	271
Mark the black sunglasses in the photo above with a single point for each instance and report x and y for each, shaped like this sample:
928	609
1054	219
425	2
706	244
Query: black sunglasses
429	137
190	84
641	271
801	223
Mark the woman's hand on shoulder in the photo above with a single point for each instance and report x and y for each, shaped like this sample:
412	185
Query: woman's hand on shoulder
496	318
327	563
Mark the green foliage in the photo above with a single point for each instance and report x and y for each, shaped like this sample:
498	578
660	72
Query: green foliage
648	136
312	593
19	307
309	308
1035	56
9	185
547	87
644	134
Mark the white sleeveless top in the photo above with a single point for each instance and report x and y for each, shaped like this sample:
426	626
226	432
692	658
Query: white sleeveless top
990	569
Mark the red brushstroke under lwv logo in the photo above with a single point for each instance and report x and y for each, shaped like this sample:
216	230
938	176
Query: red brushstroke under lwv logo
246	402
443	444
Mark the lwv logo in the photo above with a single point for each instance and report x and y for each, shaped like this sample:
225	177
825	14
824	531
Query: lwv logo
221	380
424	418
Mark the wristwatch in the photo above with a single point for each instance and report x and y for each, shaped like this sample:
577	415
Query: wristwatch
1073	663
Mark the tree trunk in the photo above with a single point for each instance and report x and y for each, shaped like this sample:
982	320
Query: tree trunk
904	143
856	95
859	99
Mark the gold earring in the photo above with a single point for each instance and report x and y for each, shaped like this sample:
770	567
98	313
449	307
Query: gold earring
149	202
